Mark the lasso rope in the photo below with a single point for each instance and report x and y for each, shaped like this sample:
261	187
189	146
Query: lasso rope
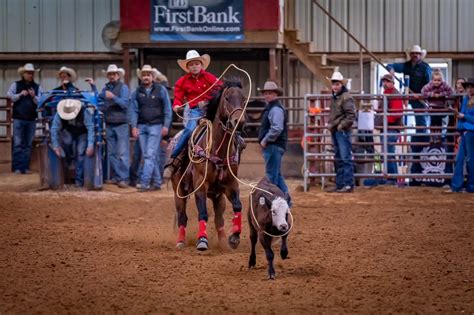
253	186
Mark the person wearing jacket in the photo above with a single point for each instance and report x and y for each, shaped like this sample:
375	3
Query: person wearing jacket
151	114
79	122
341	119
436	93
273	135
115	96
394	119
466	144
25	95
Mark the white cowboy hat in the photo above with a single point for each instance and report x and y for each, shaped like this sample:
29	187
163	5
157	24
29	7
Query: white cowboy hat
271	86
337	76
69	71
146	68
194	55
417	49
69	109
160	77
27	67
114	68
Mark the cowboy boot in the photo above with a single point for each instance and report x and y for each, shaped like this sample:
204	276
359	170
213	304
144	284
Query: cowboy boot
172	166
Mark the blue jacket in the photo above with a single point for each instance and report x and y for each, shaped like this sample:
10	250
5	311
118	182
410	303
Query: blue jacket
420	74
467	123
57	126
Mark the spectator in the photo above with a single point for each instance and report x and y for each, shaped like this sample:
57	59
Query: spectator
394	121
67	76
420	75
436	93
115	95
459	87
25	95
466	143
188	90
273	135
341	118
151	112
78	121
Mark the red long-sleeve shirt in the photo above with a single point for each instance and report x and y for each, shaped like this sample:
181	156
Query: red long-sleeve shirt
394	105
188	87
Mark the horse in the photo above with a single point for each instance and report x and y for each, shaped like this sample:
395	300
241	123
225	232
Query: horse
216	182
268	218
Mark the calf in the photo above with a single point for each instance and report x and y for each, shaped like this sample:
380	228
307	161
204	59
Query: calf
268	218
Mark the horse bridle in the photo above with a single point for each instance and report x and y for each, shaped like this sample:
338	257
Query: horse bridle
226	127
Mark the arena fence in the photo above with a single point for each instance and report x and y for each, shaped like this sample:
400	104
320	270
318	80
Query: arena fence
5	134
423	155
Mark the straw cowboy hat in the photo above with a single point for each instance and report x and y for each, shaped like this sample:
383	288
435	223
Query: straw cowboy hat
417	49
337	76
72	74
114	69
69	109
271	86
194	55
146	68
27	67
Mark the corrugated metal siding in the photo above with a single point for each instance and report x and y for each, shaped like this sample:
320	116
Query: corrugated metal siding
55	25
389	25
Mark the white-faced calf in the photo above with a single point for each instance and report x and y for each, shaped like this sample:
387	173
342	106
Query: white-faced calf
268	218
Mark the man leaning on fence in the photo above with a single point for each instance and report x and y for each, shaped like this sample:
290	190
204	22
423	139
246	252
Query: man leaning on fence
24	94
341	118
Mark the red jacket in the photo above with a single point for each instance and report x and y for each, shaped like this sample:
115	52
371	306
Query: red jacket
394	105
188	87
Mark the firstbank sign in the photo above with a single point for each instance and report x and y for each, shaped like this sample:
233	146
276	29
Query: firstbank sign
197	20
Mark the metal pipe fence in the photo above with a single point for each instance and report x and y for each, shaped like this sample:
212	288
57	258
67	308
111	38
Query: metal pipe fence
425	153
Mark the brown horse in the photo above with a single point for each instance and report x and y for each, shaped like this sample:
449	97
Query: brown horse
216	182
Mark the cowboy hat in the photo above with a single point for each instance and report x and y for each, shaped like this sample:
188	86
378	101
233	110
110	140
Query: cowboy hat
69	109
271	86
27	67
417	49
337	77
146	68
194	55
469	82
72	74
115	69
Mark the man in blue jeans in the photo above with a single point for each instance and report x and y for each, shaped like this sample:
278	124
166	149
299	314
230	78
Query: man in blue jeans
273	135
341	118
419	73
79	123
151	112
24	94
115	96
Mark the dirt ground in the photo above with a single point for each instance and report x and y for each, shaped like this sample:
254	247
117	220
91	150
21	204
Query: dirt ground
379	250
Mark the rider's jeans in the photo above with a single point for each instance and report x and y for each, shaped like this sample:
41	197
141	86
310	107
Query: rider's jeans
191	123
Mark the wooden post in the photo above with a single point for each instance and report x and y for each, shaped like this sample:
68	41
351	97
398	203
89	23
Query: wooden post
272	64
126	64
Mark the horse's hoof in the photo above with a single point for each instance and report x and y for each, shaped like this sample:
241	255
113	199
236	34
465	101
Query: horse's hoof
180	245
234	241
202	244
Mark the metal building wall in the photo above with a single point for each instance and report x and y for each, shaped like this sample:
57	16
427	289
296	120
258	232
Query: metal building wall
388	25
55	25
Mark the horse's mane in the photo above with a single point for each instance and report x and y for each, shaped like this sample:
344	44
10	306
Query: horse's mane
216	96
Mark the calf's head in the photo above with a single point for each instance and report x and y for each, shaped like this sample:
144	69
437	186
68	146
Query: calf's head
279	210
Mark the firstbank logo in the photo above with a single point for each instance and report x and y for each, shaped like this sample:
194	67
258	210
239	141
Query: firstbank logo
178	4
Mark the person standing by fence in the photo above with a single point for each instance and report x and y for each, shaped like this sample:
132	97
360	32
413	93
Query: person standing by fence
25	95
341	119
466	144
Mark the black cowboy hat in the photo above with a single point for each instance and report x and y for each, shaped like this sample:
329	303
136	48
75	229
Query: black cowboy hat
469	82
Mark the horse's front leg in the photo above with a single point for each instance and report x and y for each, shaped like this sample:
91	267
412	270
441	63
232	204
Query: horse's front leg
234	198
218	201
200	197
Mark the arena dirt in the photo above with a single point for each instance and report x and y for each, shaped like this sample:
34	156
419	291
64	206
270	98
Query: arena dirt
380	250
